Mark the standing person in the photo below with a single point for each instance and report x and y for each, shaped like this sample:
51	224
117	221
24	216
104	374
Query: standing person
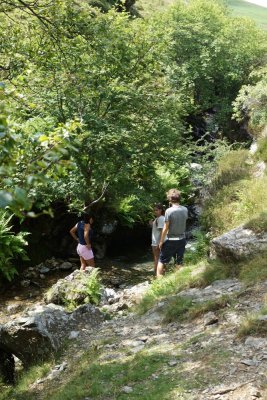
157	226
174	229
82	233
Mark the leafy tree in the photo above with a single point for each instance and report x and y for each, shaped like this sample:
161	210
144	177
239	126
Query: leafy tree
251	101
106	101
214	55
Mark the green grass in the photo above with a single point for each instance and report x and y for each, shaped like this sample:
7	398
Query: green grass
171	283
255	269
252	325
258	224
24	380
99	377
183	308
243	9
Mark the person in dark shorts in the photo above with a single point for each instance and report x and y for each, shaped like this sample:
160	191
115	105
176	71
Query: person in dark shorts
174	230
82	233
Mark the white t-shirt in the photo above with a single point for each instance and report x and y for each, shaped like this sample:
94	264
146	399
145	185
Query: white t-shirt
157	227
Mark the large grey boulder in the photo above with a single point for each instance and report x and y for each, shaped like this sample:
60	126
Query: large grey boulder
238	244
71	289
42	330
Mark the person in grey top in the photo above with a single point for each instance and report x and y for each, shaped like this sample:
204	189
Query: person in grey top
157	226
174	231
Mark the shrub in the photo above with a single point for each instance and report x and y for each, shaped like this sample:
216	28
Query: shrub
93	288
11	247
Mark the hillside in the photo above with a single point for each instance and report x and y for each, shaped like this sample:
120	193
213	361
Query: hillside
253	11
238	8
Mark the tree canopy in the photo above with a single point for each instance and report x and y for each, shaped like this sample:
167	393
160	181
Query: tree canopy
95	105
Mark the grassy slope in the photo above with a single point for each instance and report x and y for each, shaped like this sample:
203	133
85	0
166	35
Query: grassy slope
238	7
244	9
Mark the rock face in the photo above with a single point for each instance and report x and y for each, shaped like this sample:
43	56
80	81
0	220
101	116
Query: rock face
42	330
239	244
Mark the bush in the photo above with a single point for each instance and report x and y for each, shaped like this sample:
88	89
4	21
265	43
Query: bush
93	288
11	247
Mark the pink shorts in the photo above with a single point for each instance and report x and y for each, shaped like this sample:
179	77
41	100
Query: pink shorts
84	252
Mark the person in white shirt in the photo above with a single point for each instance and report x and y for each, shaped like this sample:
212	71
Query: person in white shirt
157	226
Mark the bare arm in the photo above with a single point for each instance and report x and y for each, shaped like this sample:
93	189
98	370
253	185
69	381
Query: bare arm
164	233
86	235
73	233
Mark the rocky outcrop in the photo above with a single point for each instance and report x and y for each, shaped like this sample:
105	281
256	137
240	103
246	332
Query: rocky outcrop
238	244
42	330
71	289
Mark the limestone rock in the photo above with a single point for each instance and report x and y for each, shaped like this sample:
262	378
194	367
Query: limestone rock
70	289
42	330
239	243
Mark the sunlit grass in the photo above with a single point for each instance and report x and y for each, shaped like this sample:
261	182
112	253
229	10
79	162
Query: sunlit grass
173	282
24	381
183	308
254	324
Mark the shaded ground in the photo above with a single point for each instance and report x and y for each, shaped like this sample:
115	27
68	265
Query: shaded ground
118	272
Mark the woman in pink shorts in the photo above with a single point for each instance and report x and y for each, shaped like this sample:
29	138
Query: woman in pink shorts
82	233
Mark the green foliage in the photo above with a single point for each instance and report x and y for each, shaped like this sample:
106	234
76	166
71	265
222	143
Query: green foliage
124	115
97	102
199	248
92	291
252	101
93	287
215	54
11	247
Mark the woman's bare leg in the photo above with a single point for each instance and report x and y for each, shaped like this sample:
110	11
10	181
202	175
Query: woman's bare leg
91	262
83	264
156	252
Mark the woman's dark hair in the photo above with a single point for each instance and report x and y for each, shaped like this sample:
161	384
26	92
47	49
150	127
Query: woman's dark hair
86	217
161	207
